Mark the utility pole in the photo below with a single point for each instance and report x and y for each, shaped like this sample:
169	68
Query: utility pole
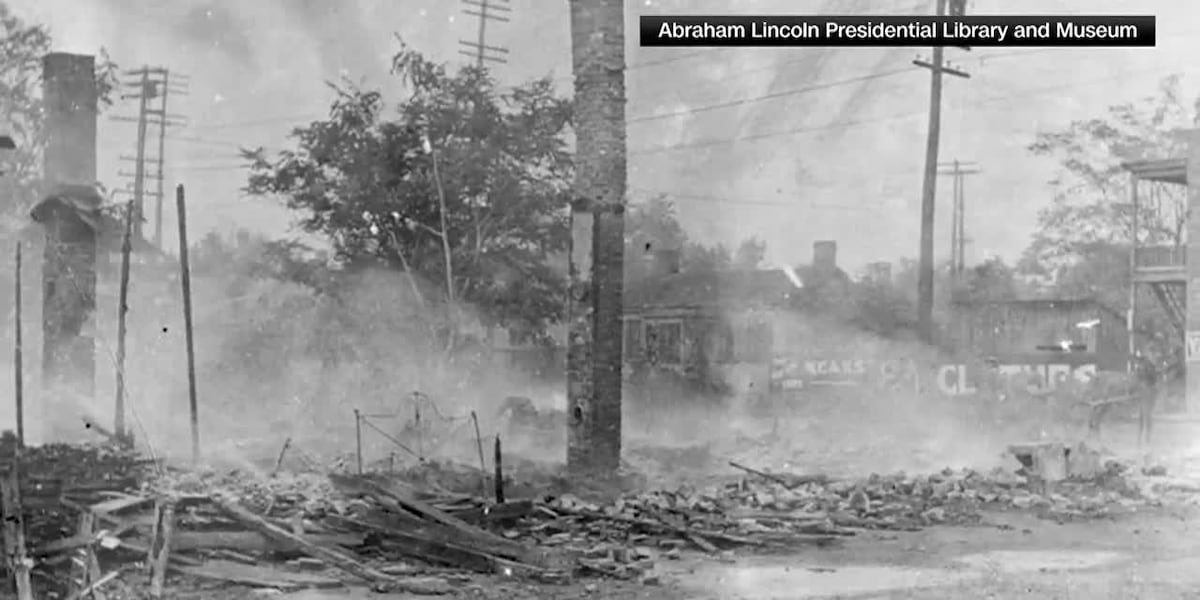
153	86
958	231
479	50
936	67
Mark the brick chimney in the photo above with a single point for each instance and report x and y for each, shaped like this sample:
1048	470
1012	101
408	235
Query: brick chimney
824	255
879	272
70	100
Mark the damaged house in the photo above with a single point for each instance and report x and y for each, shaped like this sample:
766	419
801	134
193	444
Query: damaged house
711	330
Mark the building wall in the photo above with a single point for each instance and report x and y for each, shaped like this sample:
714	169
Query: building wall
1024	329
762	352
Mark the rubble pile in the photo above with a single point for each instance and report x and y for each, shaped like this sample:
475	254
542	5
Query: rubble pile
906	502
428	529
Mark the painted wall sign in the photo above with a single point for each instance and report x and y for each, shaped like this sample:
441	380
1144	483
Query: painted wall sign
948	379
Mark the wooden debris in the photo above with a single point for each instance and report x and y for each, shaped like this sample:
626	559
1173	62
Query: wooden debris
160	546
18	562
330	556
788	481
396	497
497	513
253	541
498	476
282	452
257	576
87	566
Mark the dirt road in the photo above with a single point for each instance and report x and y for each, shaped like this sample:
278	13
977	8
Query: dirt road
1149	556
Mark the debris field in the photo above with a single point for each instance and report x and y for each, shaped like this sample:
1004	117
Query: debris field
99	518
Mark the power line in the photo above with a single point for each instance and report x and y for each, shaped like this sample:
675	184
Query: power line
857	122
771	96
632	67
843	124
673	195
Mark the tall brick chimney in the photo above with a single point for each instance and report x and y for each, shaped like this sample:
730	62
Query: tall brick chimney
824	255
69	213
70	97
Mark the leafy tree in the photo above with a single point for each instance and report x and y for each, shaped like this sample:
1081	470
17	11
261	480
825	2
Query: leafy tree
750	254
1083	238
1092	206
461	183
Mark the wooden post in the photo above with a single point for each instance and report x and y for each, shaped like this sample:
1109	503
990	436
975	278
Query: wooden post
186	281
482	462
160	546
122	310
88	566
358	440
14	531
18	356
499	475
282	452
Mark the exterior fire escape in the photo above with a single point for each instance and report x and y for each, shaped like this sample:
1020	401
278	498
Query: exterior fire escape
1160	266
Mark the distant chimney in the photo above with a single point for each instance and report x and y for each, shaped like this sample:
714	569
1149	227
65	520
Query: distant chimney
879	272
825	255
663	263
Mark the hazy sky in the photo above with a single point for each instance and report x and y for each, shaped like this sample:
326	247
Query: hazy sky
840	162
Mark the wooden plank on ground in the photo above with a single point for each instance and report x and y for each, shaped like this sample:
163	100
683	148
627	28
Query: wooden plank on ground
256	576
398	494
121	504
433	544
335	558
515	509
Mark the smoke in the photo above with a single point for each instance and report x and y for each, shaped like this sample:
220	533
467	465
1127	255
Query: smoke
278	360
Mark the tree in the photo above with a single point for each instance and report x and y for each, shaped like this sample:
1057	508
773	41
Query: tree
750	254
1083	238
462	183
1091	206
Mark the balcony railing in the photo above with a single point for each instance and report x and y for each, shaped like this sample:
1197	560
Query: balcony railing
1157	257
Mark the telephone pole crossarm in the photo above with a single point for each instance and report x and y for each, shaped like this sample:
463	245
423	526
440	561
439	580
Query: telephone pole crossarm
150	87
480	50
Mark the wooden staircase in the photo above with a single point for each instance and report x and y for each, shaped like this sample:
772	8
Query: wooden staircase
1172	295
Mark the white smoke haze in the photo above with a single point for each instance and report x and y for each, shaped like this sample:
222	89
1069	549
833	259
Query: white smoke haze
276	361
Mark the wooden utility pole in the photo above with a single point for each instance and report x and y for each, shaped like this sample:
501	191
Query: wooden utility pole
152	84
18	354
185	279
597	240
958	232
929	186
479	49
122	311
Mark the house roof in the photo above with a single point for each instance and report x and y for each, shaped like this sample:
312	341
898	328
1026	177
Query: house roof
1169	170
712	288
